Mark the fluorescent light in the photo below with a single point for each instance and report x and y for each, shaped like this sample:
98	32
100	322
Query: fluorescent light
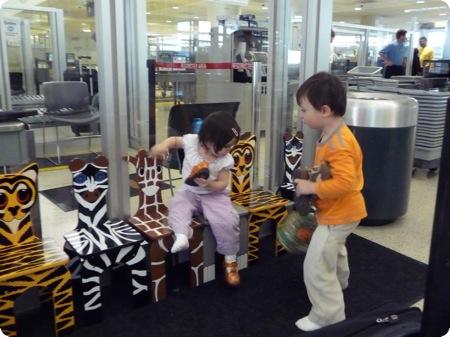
264	7
148	13
420	2
196	17
231	2
443	14
168	21
412	10
86	30
176	7
358	8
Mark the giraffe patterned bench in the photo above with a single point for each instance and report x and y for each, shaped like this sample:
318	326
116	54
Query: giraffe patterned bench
27	262
209	246
151	221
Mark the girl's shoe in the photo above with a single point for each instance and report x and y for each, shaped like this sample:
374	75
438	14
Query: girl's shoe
231	274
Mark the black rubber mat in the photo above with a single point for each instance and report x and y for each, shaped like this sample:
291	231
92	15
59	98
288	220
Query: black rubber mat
271	298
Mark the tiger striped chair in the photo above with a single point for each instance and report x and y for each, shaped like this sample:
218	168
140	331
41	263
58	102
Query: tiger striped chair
98	244
262	205
26	261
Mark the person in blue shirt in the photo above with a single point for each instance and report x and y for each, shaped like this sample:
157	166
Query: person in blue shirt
394	56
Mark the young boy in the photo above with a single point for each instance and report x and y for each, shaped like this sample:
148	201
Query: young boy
340	204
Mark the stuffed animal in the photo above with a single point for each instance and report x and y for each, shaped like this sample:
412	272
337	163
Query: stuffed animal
200	170
296	230
305	203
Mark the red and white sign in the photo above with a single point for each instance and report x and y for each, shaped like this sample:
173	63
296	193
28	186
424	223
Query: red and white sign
202	66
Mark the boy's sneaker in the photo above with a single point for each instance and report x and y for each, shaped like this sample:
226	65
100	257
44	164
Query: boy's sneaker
231	274
305	324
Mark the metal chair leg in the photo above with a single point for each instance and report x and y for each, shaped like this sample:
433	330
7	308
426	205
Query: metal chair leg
90	144
58	155
44	147
170	181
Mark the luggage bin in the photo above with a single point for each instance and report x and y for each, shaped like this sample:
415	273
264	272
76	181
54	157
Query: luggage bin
13	138
385	126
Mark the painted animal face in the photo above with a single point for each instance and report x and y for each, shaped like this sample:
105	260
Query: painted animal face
243	154
148	173
90	180
293	148
18	193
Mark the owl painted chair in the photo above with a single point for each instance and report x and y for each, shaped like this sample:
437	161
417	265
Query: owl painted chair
151	221
293	150
98	244
26	261
262	205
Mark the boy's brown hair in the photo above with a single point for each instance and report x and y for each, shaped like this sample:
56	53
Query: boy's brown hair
324	89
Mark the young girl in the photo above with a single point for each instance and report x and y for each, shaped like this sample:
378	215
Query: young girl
218	134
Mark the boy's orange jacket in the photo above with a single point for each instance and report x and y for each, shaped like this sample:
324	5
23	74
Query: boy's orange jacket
340	200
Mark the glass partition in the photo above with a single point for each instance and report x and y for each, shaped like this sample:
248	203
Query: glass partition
357	45
203	52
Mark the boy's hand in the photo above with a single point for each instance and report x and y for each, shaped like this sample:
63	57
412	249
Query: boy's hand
159	151
202	182
304	187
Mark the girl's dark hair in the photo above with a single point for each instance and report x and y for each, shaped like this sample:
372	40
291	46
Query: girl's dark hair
219	128
324	89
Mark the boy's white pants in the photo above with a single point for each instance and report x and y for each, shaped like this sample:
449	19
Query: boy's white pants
326	272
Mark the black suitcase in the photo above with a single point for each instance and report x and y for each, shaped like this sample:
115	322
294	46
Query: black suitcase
389	320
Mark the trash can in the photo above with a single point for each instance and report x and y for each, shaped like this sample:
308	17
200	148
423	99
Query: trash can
15	144
385	127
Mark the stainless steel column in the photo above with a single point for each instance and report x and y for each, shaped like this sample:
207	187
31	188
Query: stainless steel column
277	91
137	82
256	111
120	88
27	56
112	82
56	18
316	51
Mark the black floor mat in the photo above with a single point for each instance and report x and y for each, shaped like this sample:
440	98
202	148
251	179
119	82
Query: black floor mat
271	298
63	196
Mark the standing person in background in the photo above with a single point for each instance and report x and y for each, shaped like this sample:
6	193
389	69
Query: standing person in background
394	56
416	69
426	53
333	55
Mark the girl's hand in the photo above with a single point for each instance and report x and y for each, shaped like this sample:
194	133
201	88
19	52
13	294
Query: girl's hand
304	187
159	151
202	182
